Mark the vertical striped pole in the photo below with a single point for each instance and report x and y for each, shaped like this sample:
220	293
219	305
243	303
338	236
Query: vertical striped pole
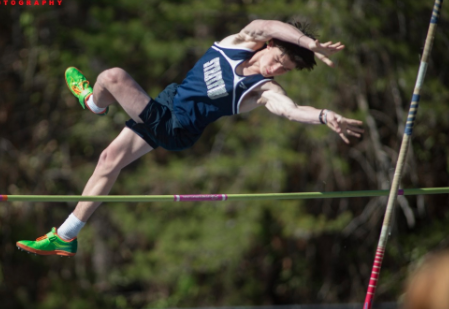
401	159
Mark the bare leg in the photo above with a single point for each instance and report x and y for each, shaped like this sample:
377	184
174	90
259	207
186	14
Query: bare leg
115	85
126	148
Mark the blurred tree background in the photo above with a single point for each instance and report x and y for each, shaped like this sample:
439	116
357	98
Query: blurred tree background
159	255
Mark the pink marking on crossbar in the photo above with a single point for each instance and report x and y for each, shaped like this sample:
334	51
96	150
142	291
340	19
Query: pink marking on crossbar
200	197
3	198
400	192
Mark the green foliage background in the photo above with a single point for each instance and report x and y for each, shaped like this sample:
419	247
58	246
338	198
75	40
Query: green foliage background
136	255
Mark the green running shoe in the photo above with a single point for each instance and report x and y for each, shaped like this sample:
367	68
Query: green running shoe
50	244
79	86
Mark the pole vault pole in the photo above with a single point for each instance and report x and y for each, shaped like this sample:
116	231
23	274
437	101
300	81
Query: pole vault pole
401	159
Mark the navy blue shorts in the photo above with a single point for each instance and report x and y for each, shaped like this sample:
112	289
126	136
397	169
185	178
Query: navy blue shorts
160	126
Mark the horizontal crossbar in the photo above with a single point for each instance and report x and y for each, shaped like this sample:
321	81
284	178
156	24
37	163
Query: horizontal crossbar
217	197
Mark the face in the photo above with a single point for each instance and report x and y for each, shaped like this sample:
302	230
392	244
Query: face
275	63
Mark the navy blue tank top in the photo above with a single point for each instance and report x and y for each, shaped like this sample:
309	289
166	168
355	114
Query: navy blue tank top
212	89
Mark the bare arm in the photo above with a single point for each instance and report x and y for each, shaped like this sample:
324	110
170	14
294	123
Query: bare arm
277	102
256	33
265	30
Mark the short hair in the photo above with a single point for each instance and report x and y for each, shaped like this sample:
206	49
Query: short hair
303	58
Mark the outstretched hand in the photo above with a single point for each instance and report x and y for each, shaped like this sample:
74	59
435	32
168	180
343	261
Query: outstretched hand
344	126
324	50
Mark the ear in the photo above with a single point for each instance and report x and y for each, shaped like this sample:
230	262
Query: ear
270	43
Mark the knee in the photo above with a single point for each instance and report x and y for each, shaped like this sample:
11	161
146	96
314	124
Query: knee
112	76
109	163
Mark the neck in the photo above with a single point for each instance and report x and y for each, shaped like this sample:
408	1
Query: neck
251	66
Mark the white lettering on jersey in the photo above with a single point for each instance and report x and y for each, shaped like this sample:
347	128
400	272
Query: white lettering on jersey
213	78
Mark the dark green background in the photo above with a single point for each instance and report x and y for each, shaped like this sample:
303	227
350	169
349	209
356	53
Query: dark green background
136	255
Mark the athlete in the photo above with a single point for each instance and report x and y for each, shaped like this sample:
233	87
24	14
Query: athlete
234	76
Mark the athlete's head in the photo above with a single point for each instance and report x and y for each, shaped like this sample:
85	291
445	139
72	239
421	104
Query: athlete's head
275	62
302	57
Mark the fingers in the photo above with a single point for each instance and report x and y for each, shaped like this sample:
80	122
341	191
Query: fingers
329	62
337	45
325	59
344	138
344	133
327	44
354	122
352	133
323	50
349	133
331	47
355	129
345	127
352	127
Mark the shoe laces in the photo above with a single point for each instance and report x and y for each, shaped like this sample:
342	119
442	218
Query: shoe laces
79	87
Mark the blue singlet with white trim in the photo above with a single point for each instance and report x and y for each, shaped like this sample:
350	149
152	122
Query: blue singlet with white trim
212	89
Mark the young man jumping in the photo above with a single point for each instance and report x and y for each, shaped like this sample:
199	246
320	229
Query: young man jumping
234	76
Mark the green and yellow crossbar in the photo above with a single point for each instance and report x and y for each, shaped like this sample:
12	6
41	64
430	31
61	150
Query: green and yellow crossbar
218	197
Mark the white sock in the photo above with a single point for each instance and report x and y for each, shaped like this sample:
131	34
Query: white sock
93	107
70	228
